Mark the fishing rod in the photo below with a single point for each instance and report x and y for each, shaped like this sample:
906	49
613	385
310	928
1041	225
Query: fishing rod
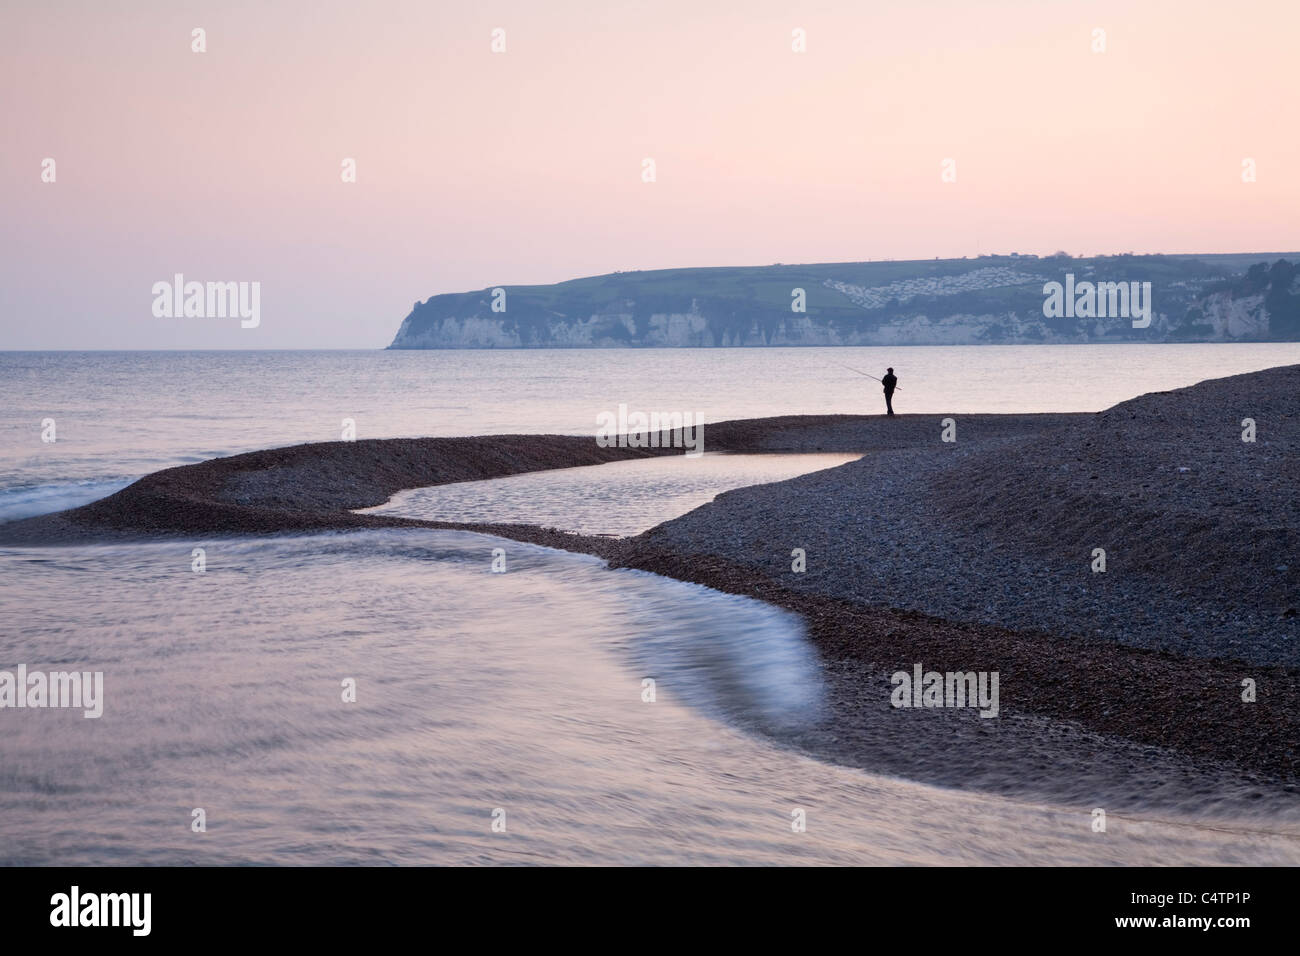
852	369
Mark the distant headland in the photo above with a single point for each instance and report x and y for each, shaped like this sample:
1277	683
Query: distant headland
1240	297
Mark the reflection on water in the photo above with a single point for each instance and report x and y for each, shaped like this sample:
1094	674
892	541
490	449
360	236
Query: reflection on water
620	498
521	691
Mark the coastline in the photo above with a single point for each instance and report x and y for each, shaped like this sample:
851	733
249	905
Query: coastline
1068	698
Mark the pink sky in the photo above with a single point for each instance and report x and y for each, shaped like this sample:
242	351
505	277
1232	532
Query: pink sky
478	169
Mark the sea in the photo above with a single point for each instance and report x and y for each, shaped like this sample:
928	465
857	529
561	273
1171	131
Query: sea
386	697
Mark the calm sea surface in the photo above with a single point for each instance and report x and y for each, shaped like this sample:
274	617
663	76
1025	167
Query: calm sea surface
121	415
517	697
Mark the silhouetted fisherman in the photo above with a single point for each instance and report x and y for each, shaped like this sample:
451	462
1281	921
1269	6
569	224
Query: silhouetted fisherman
890	381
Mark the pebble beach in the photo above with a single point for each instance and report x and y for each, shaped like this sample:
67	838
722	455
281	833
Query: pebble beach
978	553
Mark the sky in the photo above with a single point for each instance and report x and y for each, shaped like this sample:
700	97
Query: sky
478	168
